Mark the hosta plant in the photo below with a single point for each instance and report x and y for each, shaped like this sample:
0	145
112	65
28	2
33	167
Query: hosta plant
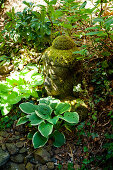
48	116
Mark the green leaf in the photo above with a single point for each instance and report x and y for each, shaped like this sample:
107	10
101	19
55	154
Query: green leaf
54	103
22	120
83	5
59	138
43	111
37	79
94	33
45	129
53	2
98	20
50	101
108	23
38	140
45	100
34	119
93	28
29	4
62	107
27	107
13	98
53	120
71	117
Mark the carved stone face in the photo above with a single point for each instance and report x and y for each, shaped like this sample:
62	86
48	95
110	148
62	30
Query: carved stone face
58	81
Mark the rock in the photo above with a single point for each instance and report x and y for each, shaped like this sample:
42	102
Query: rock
30	166
50	165
4	157
3	147
4	134
17	158
12	148
13	138
23	150
1	140
40	167
20	144
28	158
60	67
42	155
14	166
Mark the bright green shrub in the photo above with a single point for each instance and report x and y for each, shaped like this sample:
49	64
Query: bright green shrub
17	86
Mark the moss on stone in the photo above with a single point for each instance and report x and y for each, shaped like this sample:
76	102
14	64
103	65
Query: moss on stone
61	56
63	43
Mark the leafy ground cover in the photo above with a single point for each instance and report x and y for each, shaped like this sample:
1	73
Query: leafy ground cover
90	141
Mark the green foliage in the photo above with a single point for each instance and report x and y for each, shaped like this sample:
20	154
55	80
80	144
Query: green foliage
48	116
17	86
8	121
100	81
92	31
28	27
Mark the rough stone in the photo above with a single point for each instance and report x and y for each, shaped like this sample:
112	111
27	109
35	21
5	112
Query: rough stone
13	138
12	148
4	134
40	167
20	144
42	155
50	165
28	158
1	140
23	150
4	157
60	67
14	166
3	147
17	158
30	166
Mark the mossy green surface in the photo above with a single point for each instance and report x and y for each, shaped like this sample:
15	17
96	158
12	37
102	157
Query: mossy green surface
62	50
63	43
63	56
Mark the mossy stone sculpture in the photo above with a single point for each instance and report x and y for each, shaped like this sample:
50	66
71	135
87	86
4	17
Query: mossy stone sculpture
60	66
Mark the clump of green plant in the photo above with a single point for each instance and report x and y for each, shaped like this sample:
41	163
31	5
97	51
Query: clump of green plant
48	115
101	76
19	85
28	27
